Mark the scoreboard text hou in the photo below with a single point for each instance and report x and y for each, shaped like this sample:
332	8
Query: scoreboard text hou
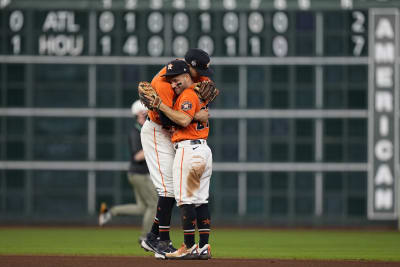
168	28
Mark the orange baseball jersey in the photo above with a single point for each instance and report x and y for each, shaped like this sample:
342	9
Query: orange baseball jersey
165	91
189	103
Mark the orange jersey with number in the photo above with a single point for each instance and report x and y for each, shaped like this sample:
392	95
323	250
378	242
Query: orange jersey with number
165	92
189	103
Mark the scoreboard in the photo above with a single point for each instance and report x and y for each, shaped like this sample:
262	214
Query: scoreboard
309	102
158	28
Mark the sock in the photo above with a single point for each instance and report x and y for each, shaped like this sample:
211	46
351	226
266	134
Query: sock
188	216
164	211
154	227
203	223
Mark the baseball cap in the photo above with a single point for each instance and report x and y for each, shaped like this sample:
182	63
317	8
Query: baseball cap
176	67
137	107
200	60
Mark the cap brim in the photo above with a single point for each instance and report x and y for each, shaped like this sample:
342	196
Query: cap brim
173	74
204	72
170	74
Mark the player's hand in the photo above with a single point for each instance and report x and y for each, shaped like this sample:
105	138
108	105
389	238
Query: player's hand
148	96
202	115
153	102
206	90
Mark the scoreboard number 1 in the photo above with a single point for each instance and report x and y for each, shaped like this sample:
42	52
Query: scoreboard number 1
16	44
130	19
16	22
131	45
121	28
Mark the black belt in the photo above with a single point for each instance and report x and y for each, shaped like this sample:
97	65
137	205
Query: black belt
195	142
192	142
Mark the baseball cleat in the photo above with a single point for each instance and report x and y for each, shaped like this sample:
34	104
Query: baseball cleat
105	216
184	253
205	252
163	248
150	243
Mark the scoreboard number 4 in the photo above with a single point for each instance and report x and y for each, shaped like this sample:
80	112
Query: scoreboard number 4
61	34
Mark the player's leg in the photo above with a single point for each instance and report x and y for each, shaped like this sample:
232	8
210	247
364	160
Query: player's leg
202	211
138	182
164	156
204	227
150	198
189	249
147	136
189	166
146	194
185	184
159	155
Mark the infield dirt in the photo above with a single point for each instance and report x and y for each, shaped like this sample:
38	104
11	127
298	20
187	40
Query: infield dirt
103	261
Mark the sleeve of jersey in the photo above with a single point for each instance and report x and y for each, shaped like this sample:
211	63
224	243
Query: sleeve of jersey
163	89
204	78
187	105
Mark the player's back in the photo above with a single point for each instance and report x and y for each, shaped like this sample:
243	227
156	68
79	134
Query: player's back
164	91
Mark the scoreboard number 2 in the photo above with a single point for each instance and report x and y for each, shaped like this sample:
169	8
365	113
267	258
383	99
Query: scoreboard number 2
358	28
251	28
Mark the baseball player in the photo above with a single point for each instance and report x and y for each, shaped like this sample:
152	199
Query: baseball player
192	166
138	177
159	151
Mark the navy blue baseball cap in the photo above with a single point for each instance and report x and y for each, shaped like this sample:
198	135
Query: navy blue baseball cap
176	67
200	60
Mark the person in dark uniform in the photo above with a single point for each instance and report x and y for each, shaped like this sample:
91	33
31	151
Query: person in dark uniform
139	178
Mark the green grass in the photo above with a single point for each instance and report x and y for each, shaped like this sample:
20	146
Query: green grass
226	243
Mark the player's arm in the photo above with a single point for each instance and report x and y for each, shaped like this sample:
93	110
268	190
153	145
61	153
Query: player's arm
201	116
139	156
136	147
180	118
165	121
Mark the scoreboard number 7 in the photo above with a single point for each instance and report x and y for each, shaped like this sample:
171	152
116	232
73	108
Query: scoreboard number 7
358	27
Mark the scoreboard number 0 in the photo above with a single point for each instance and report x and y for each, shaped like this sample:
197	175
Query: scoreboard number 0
16	22
246	28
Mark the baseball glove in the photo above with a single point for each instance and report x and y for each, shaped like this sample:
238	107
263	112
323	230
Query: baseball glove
148	96
206	90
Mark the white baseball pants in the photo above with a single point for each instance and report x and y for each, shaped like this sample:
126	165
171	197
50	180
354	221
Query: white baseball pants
192	172
159	154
